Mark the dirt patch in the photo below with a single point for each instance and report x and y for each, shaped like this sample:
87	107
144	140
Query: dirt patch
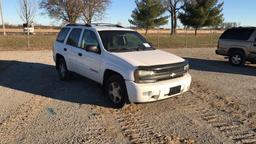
213	111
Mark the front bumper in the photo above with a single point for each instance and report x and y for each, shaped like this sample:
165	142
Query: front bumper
150	92
221	52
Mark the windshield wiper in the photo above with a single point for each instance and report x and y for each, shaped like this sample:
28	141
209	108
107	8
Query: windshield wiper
142	47
119	50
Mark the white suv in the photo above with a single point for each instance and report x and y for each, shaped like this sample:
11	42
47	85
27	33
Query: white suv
121	60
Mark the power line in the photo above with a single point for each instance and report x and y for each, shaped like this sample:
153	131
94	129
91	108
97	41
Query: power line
1	11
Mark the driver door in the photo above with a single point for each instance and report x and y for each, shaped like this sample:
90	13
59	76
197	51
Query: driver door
91	62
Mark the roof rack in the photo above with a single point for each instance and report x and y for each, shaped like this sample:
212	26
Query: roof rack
87	25
97	24
107	25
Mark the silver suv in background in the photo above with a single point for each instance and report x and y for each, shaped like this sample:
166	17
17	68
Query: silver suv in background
239	45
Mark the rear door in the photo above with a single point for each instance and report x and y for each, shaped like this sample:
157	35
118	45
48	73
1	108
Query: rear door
73	50
91	62
252	50
60	45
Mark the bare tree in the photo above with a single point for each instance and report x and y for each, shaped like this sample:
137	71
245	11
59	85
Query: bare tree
173	6
66	10
94	10
27	11
27	14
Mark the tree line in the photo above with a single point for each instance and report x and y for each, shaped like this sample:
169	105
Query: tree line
148	14
191	13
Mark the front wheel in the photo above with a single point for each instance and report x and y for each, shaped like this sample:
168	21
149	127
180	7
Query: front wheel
62	69
115	89
237	58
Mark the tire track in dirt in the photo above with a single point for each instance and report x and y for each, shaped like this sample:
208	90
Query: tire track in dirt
224	115
137	130
12	127
95	132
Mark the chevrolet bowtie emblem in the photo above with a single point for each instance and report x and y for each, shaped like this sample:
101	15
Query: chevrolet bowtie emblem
173	75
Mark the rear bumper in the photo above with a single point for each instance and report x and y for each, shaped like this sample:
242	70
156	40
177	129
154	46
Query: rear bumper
142	93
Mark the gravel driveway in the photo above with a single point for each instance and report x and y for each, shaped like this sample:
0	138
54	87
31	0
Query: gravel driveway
36	107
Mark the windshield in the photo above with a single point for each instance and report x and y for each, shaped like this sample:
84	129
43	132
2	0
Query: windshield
121	41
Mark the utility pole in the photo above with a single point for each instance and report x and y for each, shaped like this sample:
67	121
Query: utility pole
1	11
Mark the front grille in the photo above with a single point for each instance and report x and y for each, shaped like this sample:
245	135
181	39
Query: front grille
166	72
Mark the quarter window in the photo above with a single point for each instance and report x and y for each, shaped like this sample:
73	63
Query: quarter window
62	35
74	37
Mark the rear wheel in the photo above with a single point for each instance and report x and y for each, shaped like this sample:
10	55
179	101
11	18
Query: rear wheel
115	89
237	58
62	69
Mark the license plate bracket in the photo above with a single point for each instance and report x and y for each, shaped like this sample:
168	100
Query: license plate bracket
174	90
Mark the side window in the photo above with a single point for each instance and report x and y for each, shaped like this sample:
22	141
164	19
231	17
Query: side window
74	36
245	34
62	35
89	38
237	34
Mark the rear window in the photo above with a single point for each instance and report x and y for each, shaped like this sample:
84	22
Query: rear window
237	34
62	35
74	36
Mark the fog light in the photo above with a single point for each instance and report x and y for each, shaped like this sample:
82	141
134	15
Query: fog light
155	96
148	93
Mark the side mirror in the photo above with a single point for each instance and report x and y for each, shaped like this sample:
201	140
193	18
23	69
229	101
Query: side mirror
92	48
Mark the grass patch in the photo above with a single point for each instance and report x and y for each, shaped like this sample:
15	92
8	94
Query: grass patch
45	41
184	41
19	42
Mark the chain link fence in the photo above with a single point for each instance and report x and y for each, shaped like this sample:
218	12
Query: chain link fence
183	38
20	41
44	39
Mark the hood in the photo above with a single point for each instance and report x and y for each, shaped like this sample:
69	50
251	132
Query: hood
149	58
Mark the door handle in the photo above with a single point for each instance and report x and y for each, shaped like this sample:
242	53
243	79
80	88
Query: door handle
80	54
65	49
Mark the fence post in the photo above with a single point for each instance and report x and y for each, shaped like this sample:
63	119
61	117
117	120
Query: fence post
186	38
28	38
158	39
211	39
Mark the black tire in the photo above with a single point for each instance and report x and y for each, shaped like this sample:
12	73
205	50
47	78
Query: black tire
237	58
119	96
62	70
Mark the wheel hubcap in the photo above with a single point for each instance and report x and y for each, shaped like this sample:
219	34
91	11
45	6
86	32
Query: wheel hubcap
62	70
236	59
115	92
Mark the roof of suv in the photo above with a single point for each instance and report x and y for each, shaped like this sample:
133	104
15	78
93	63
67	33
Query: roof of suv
102	26
249	27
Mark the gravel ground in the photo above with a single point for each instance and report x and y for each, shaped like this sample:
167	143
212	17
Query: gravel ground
36	107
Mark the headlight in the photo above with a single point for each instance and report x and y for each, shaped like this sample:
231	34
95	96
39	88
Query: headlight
144	76
186	67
